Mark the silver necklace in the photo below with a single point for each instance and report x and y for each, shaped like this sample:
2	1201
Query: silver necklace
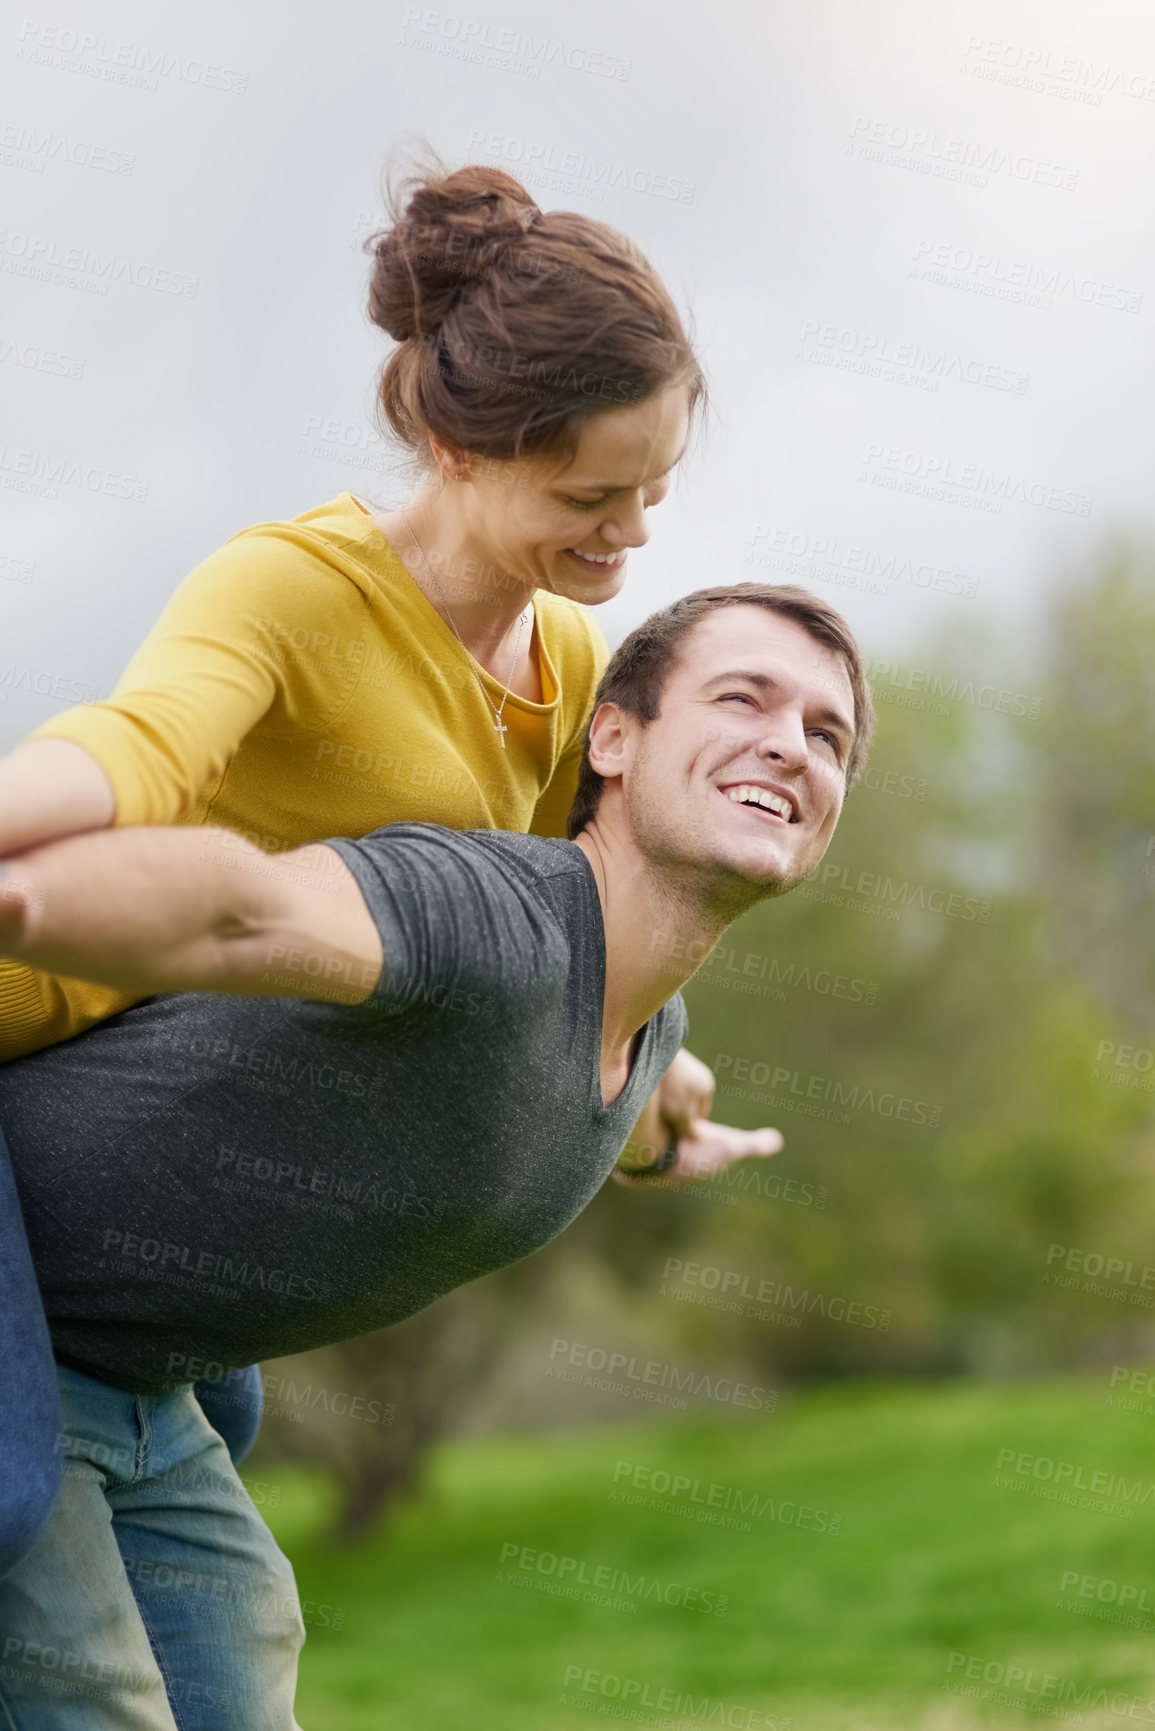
497	709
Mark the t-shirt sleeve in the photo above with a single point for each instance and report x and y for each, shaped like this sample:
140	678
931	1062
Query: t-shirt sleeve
220	656
460	931
670	1036
675	1030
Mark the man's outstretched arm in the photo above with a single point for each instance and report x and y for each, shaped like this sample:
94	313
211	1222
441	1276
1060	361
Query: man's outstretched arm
704	1147
191	910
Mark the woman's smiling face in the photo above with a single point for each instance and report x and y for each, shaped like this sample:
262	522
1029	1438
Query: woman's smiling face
567	527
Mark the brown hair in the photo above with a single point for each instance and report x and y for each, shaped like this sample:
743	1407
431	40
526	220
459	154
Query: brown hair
638	670
514	326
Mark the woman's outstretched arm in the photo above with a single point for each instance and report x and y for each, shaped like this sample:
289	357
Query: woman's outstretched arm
51	788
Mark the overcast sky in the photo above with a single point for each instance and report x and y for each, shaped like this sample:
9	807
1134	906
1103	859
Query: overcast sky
916	241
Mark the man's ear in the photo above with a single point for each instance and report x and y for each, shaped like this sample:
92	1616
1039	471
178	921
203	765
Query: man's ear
611	740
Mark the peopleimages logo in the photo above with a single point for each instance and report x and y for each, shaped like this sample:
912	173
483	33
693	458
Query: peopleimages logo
928	152
928	682
26	470
1092	1262
825	981
43	683
173	1261
713	1502
828	1089
83	267
116	62
813	556
731	1281
35	359
1128	1068
1083	1268
564	1575
1070	1482
1033	68
24	147
676	1707
13	570
884	891
304	1185
476	39
880	357
534	159
1018	280
939	477
1107	1592
654	1379
1013	1683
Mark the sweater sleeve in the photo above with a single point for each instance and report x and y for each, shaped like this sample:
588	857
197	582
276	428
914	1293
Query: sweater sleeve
210	669
233	642
38	1010
586	656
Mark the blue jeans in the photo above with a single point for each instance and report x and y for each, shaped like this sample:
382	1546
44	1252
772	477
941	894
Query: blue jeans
156	1598
30	1408
233	1405
29	1403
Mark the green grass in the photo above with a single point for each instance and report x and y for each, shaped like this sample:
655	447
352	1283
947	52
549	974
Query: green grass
853	1630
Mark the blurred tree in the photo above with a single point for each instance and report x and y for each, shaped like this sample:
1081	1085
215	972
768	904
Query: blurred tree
1092	760
370	1408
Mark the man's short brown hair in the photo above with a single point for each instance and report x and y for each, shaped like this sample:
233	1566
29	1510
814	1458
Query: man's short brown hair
638	670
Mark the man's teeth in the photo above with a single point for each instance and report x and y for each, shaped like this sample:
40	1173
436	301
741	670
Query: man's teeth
596	558
760	796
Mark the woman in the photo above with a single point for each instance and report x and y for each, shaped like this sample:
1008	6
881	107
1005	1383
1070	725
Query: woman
352	668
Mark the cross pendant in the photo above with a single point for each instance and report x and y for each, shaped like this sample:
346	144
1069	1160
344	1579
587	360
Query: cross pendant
502	730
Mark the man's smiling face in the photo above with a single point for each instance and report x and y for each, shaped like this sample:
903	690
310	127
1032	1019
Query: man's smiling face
743	773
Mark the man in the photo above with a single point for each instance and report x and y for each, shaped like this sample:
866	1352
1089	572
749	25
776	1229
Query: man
393	1065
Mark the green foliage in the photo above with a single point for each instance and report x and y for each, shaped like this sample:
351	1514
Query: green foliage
846	1631
1095	767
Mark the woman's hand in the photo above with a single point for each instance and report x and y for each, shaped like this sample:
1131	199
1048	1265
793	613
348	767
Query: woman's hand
16	897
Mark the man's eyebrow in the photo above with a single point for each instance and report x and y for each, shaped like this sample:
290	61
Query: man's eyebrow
764	682
617	486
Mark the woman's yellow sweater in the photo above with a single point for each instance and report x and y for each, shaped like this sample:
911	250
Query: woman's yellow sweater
299	685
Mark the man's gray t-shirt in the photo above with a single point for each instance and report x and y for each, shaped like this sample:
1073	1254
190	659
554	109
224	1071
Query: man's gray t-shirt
220	1179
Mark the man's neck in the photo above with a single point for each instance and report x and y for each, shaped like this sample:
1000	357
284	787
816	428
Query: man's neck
655	938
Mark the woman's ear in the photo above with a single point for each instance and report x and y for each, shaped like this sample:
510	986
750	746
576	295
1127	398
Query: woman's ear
451	460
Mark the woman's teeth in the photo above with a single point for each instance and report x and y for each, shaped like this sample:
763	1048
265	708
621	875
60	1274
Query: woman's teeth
596	558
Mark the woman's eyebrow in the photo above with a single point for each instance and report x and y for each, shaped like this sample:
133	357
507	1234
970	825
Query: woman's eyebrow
619	486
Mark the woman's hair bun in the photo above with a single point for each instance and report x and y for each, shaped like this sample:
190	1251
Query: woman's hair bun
447	231
511	328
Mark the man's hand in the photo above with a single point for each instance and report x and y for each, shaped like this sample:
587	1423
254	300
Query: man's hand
685	1101
681	1108
709	1148
685	1093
